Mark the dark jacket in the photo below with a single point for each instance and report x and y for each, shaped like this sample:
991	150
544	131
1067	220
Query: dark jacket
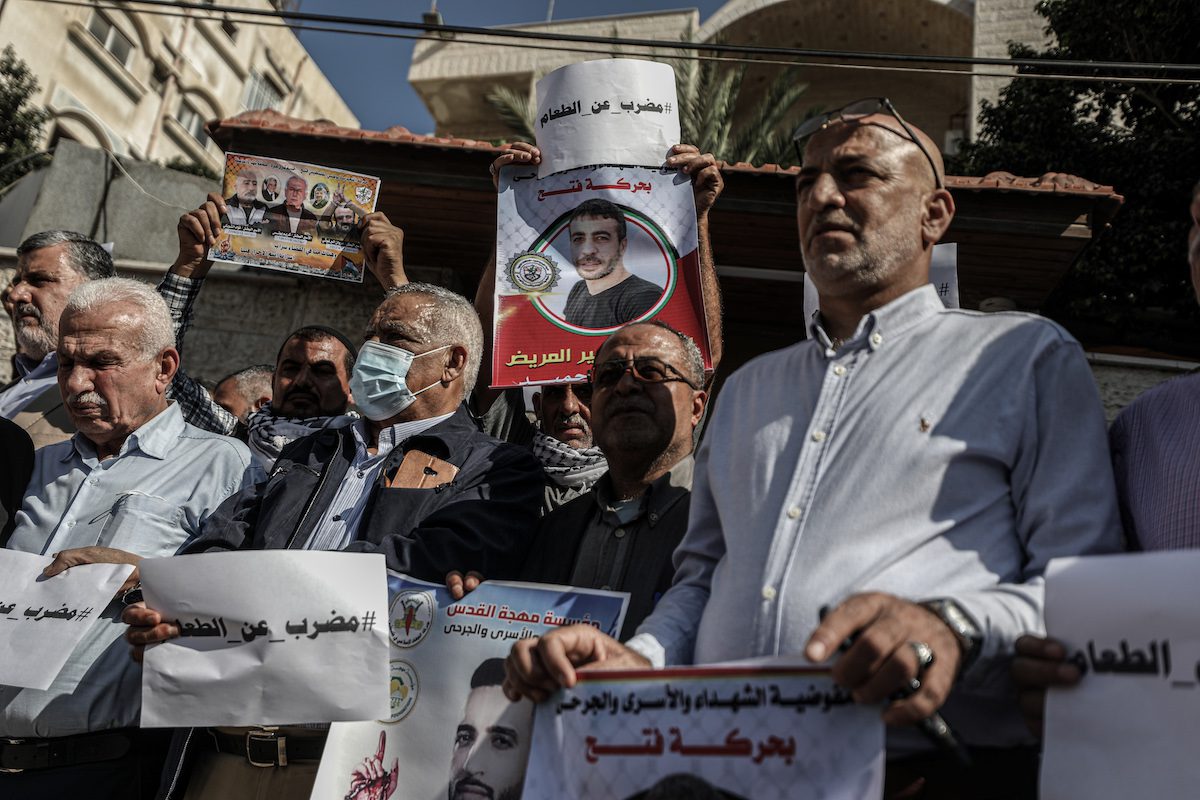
483	520
584	544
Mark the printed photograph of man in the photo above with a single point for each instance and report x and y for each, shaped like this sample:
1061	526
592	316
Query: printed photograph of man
341	225
270	191
319	196
491	745
291	216
609	294
244	206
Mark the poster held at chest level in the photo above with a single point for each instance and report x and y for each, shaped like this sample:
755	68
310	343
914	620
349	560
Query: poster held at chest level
452	733
747	730
294	217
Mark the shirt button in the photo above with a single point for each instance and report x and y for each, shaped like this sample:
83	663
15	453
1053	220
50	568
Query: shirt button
361	473
818	436
606	588
876	339
793	512
839	370
71	523
336	518
768	592
619	533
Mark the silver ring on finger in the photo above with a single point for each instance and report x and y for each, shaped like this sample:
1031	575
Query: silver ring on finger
925	659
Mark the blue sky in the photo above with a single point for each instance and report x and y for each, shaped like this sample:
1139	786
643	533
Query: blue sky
372	73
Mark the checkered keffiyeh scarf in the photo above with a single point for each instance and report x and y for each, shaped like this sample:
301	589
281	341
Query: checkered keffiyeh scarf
270	433
567	466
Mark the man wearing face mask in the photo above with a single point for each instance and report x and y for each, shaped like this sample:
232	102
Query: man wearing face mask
414	479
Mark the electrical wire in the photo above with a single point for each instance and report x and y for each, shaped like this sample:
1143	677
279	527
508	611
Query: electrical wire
620	47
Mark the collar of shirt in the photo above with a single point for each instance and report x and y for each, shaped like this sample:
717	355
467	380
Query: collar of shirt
389	437
884	323
28	369
660	495
154	437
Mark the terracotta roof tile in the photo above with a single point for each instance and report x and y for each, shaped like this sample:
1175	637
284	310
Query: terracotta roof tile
1050	183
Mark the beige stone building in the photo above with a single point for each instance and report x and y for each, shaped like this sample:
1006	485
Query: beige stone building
453	75
142	82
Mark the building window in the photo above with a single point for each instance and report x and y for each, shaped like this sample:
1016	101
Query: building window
192	121
111	38
261	93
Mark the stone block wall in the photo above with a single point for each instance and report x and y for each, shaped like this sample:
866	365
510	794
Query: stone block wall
997	22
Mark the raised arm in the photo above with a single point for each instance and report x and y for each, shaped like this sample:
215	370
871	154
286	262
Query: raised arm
707	185
516	153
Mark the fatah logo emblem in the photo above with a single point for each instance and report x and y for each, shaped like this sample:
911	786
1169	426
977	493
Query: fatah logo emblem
532	273
363	195
411	615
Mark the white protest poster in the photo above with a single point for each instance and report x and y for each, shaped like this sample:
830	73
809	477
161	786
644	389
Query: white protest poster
270	637
607	111
582	253
451	732
739	731
43	619
943	276
1131	623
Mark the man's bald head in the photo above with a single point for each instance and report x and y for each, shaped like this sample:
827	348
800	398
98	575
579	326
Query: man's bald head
868	208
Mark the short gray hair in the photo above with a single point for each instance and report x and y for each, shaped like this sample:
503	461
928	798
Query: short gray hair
84	255
156	332
455	323
252	382
693	366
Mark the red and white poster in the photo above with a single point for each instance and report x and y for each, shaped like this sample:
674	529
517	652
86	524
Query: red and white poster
581	253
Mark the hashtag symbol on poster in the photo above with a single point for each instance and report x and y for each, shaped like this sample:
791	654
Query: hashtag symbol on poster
368	621
84	614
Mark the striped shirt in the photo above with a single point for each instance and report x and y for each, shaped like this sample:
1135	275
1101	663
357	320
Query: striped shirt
1156	457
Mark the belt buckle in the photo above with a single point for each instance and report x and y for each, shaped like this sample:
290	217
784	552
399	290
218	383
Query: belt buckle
267	736
14	770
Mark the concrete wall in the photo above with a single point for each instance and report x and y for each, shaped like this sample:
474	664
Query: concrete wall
997	22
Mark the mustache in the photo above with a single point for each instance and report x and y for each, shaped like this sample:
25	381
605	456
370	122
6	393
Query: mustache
87	399
572	421
834	218
27	309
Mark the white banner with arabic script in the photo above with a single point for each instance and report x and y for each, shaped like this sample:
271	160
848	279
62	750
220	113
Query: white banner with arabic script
1129	729
42	620
451	732
608	111
767	730
268	637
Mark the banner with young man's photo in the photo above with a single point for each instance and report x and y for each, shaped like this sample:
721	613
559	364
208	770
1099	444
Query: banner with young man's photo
586	249
452	732
294	217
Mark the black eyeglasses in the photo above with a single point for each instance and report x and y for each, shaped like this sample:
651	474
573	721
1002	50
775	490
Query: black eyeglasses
645	369
857	110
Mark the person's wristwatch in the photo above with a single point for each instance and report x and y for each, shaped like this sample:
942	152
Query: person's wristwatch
966	631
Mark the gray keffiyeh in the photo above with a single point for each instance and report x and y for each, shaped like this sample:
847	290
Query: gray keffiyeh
567	466
270	433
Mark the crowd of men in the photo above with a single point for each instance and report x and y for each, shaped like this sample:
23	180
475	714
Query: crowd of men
885	494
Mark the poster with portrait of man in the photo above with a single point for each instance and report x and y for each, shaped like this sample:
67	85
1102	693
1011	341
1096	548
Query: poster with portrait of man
452	734
583	252
294	217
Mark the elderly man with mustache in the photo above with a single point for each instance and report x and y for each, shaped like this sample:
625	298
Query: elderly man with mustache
124	487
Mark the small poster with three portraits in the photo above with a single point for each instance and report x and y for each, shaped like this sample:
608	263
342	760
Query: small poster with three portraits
599	234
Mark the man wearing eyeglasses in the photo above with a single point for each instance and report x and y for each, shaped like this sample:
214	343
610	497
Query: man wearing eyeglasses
647	399
911	467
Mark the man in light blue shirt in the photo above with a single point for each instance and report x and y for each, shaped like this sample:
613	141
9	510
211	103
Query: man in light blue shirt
135	481
911	468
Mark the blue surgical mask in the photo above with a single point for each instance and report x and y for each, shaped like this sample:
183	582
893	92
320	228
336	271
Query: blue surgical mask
380	380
